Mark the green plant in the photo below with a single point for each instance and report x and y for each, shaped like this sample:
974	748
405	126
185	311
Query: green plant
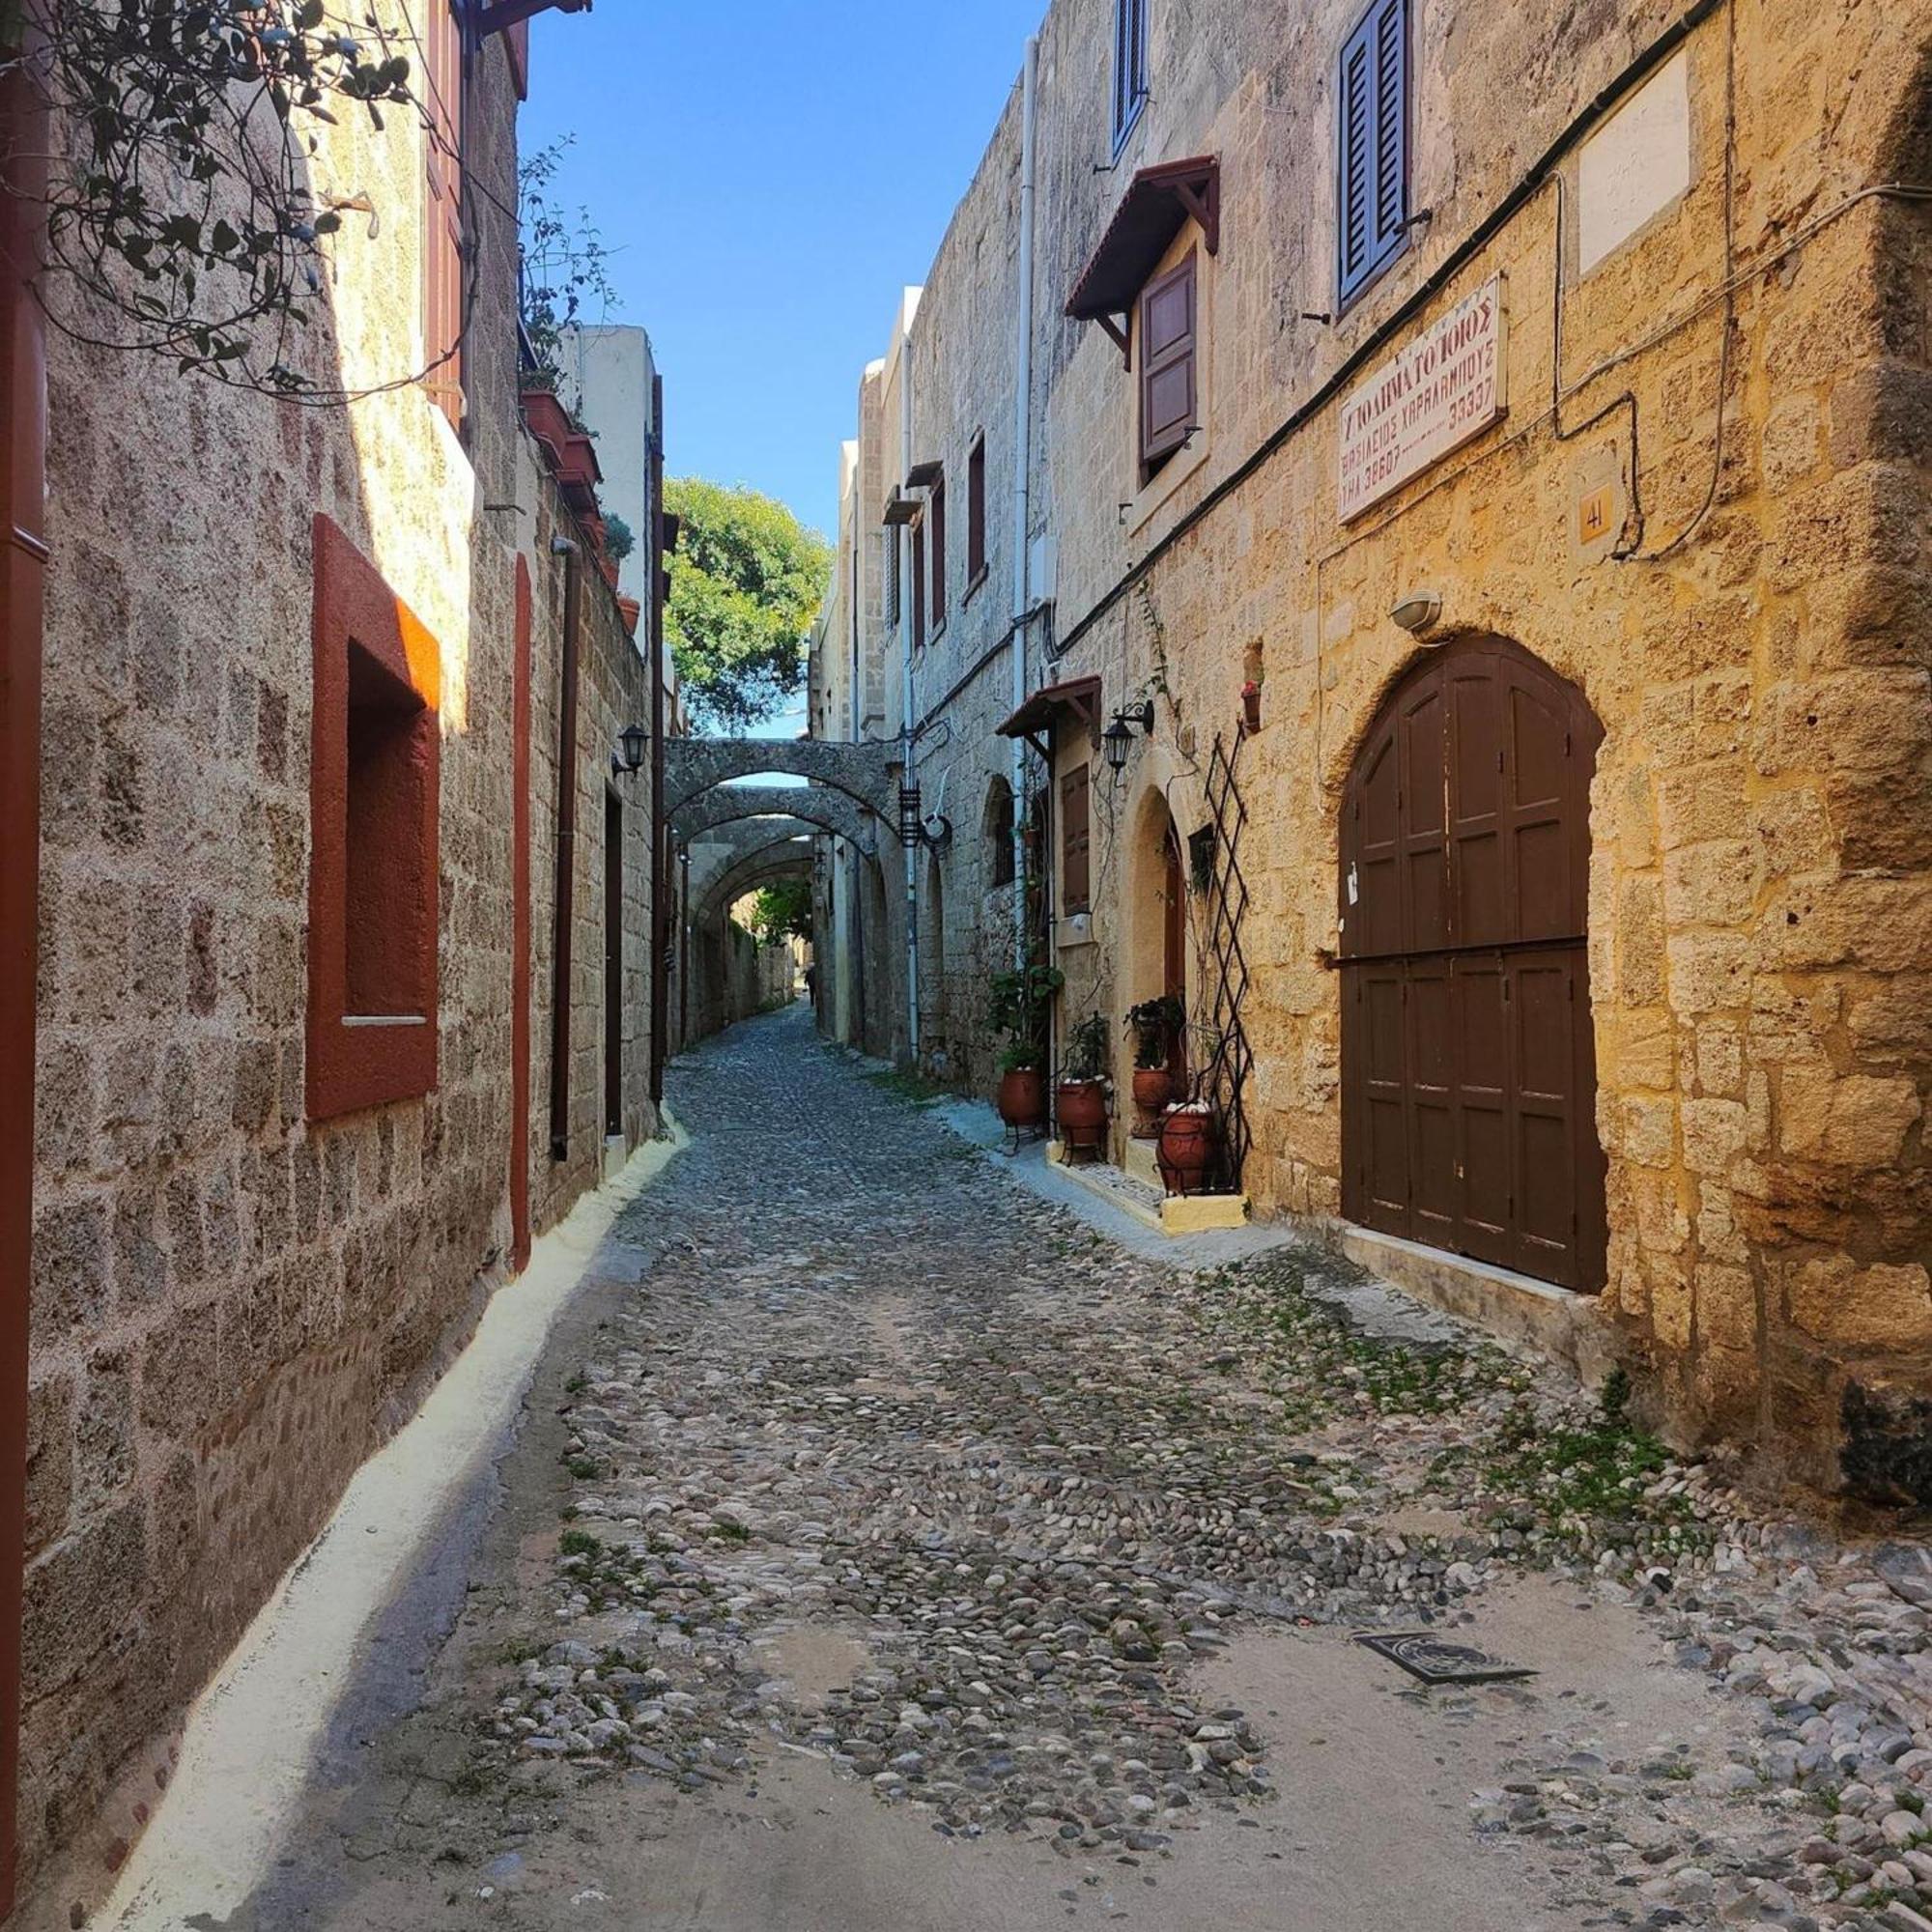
1018	1003
781	911
1154	1024
565	264
619	539
1086	1056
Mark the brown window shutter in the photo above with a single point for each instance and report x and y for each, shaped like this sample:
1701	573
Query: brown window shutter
918	586
442	226
976	510
1074	888
938	514
1167	328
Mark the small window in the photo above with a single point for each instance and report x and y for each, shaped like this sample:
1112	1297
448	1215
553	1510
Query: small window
1130	65
1167	356
975	512
1371	146
918	586
388	892
1074	891
444	351
889	563
936	510
999	827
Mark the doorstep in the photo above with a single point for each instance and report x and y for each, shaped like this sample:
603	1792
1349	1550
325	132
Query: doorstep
1555	1321
1168	1213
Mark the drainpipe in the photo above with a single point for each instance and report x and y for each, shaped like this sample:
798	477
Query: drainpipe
1022	475
23	555
566	854
906	707
659	830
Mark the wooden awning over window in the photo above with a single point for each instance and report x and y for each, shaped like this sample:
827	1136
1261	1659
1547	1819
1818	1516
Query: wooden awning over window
1157	202
1079	699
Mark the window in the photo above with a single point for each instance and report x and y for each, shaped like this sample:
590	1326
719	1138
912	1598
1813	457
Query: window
918	586
936	511
999	830
1130	65
1371	146
1075	893
889	563
444	352
374	779
1167	330
976	514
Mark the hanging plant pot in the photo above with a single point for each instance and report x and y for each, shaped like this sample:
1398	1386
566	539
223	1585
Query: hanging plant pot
1082	1107
547	419
1022	1097
1190	1144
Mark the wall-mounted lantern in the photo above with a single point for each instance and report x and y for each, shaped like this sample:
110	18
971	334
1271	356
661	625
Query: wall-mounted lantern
633	741
1118	739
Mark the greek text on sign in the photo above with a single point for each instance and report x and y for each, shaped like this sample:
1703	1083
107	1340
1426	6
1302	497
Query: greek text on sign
1446	386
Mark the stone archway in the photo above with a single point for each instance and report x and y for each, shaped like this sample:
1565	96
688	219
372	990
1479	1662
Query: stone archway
818	804
1468	1059
865	773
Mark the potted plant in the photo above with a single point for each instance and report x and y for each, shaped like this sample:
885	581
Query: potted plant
1080	1099
1154	1025
1190	1146
1017	1004
544	411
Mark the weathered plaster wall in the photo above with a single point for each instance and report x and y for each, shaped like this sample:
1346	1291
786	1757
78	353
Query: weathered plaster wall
1760	821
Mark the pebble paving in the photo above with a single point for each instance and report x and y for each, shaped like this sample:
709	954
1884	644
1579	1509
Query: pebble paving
868	1389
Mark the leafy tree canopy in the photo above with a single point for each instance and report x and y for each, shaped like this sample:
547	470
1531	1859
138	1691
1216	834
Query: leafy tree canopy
783	911
746	581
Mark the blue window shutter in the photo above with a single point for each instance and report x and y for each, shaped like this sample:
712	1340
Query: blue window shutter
1372	144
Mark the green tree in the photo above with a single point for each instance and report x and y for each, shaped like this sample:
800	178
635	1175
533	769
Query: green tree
783	911
746	581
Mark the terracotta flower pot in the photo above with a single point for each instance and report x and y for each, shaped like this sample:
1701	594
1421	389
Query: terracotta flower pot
1022	1097
548	418
1189	1143
631	611
1082	1107
1153	1088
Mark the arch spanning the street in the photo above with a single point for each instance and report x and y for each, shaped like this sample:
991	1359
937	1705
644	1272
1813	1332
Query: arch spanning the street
728	848
867	773
755	870
816	804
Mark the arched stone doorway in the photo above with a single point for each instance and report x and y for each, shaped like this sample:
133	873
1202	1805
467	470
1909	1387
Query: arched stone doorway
1157	962
933	1034
1468	1064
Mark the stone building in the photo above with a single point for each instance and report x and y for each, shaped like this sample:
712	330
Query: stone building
344	940
1472	462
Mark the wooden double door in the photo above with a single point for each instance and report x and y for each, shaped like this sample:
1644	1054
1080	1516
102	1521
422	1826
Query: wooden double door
1469	1062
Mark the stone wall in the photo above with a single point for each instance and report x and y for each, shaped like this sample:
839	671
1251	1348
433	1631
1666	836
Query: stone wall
233	1306
1745	374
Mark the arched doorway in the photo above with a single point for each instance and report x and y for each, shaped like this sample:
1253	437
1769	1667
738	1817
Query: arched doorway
932	1018
1468	1066
1157	967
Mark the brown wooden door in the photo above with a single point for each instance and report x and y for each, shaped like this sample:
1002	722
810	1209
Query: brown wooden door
1468	1065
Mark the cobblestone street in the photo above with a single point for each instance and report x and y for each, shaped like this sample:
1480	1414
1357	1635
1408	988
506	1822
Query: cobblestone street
885	1548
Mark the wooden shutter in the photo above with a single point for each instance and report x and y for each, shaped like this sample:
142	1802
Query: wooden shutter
1167	364
976	510
1372	144
918	586
1076	892
889	564
938	514
442	211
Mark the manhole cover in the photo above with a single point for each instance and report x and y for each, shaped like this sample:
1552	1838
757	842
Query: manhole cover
1426	1656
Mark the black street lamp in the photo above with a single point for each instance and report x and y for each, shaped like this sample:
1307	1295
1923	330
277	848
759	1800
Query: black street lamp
633	741
1118	739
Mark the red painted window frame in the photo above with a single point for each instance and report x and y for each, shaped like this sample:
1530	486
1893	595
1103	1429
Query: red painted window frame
352	1067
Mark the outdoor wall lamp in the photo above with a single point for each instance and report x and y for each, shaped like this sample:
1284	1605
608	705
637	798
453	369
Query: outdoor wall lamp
1416	611
1116	740
629	757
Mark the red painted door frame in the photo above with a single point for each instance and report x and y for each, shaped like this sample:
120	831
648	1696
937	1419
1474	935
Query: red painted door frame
520	927
24	391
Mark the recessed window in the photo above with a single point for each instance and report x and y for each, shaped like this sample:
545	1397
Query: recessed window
1130	65
1168	358
936	513
918	584
1371	146
1075	890
889	562
374	797
998	831
975	512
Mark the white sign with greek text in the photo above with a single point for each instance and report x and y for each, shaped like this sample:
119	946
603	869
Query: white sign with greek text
1446	386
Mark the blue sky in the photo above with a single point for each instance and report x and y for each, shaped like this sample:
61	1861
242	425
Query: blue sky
773	175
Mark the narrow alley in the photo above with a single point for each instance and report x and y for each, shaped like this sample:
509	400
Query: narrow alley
886	1546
